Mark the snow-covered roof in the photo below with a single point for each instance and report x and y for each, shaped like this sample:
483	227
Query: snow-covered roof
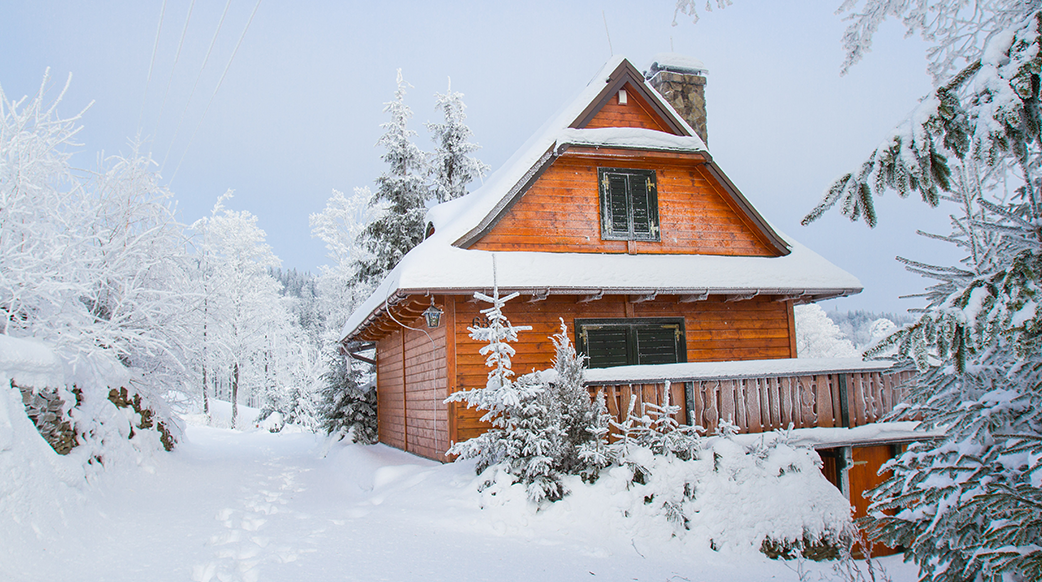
437	267
442	265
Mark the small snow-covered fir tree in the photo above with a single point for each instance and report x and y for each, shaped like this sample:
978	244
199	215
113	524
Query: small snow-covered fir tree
347	409
402	188
526	433
452	167
583	423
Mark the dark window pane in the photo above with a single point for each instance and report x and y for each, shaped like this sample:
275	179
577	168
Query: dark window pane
639	202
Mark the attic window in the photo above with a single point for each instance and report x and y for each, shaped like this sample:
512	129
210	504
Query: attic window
629	204
627	342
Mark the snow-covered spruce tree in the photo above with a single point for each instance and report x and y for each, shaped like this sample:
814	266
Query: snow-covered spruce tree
583	423
402	188
451	166
526	433
968	506
347	400
347	409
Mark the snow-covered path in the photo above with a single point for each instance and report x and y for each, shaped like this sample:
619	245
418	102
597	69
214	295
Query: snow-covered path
234	506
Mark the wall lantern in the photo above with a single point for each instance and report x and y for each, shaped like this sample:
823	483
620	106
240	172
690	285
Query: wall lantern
433	315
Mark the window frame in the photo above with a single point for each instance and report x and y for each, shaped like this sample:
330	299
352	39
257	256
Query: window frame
631	324
631	178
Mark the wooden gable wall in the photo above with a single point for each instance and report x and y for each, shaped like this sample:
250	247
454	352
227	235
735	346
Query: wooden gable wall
637	112
561	211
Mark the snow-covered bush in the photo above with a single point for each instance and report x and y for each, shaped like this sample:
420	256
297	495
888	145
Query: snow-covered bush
94	265
549	439
817	336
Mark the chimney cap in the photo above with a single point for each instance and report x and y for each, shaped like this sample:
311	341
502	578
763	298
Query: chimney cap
676	63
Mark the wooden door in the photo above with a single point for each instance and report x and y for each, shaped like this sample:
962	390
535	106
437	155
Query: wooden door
862	477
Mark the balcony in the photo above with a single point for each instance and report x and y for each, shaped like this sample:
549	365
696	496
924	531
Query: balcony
758	395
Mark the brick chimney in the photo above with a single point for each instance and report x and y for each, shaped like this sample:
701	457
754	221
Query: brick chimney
682	81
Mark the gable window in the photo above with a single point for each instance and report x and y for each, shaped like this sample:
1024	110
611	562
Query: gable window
629	204
625	342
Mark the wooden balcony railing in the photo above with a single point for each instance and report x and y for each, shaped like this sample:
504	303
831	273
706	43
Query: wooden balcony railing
758	395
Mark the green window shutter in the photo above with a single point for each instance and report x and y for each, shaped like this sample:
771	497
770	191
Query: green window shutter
659	344
629	204
607	346
621	342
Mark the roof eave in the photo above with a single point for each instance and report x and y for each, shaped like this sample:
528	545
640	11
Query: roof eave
797	296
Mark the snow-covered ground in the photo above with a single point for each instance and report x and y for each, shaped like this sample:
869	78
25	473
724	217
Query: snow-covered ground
234	505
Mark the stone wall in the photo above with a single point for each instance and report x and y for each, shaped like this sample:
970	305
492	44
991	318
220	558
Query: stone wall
687	94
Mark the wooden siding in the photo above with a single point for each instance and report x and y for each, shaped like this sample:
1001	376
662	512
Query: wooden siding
410	405
635	113
717	330
561	212
390	391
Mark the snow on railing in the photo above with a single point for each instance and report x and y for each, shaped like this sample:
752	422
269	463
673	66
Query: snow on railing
758	395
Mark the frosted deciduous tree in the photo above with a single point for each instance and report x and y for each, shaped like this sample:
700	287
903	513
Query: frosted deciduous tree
90	262
402	188
244	306
451	166
970	505
817	336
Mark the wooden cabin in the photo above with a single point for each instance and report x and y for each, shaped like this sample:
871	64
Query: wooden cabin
616	219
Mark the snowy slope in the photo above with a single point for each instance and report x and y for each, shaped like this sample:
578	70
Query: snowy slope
228	505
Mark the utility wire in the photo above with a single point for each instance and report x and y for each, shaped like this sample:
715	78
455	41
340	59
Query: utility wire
155	49
206	59
173	69
208	103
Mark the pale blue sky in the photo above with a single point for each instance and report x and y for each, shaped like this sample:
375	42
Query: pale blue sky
299	110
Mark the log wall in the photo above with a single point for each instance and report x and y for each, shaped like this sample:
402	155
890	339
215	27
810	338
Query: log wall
717	330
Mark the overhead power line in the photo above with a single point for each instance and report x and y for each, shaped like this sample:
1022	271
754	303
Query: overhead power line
177	57
155	49
206	59
219	82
